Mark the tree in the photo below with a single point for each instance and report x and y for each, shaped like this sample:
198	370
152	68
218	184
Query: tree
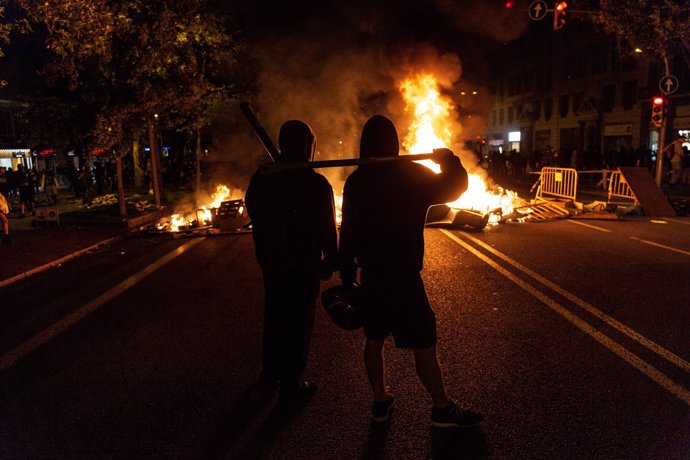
659	27
143	57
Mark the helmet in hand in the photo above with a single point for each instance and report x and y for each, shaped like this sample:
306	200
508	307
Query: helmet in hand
343	305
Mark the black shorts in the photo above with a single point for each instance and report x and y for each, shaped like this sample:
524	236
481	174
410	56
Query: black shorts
397	304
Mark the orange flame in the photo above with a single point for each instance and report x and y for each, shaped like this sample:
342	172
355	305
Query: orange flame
431	129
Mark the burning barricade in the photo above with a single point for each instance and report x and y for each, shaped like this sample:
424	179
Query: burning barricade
219	214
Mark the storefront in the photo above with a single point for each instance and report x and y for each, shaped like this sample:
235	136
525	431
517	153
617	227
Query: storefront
11	158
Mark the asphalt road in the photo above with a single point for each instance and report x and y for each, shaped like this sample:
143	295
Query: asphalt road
570	336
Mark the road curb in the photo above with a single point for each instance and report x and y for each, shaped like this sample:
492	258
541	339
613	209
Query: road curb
57	262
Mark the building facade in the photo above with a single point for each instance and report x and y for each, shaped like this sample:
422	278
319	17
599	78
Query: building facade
569	96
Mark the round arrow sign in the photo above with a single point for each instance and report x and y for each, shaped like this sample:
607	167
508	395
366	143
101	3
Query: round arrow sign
668	84
537	10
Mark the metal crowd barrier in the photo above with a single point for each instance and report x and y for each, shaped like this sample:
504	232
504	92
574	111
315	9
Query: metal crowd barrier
619	188
557	183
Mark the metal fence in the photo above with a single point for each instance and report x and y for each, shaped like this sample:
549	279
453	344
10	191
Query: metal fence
619	190
557	183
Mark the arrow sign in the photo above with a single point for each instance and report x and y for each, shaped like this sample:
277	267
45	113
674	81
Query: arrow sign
537	10
668	84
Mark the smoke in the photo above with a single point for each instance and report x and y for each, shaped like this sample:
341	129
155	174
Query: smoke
336	64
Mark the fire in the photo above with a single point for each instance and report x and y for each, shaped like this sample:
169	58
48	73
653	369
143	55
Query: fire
200	217
431	129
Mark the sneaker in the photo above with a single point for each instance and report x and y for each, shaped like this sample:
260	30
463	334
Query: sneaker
454	417
381	410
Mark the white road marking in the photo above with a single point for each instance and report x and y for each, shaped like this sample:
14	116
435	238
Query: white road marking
634	360
19	352
685	222
663	246
589	226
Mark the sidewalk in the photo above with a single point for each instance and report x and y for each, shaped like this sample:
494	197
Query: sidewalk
34	245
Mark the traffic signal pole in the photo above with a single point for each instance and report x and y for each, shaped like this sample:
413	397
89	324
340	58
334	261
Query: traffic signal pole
659	173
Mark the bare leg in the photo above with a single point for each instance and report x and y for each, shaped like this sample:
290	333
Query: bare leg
373	361
429	372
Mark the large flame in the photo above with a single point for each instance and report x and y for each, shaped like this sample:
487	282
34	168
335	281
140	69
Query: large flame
431	129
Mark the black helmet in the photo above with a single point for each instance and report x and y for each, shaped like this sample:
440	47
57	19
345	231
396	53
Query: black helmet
344	306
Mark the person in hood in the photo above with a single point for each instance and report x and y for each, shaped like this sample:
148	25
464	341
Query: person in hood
382	233
295	238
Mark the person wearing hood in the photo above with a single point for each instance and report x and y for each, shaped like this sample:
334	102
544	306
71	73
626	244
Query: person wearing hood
382	233
295	239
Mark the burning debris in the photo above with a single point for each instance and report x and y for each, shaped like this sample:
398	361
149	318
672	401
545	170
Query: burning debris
483	203
219	214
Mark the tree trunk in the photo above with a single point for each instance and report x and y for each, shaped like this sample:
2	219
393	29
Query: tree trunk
198	161
153	154
120	186
138	170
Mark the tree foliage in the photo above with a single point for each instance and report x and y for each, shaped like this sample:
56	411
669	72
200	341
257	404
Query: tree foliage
661	27
139	56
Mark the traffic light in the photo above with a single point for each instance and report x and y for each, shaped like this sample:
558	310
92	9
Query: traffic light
509	4
559	15
658	109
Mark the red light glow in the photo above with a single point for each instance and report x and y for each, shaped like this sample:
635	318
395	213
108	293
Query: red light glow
560	6
658	100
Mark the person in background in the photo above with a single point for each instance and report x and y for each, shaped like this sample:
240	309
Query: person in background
49	185
674	151
26	189
382	232
295	239
4	211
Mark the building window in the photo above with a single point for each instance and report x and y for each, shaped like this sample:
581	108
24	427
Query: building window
629	95
493	118
563	105
608	98
500	116
511	114
578	100
600	57
536	115
548	108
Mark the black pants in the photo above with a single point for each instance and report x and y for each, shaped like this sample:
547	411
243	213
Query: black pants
288	323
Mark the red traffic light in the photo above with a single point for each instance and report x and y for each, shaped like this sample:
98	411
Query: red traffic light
509	4
560	6
658	100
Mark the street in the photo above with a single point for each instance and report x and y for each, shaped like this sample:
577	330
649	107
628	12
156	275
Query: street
570	336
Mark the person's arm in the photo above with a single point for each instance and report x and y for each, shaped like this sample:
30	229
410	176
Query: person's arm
346	252
328	235
451	182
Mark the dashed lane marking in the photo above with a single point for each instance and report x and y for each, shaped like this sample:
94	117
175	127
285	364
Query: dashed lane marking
19	352
590	226
663	246
647	369
684	222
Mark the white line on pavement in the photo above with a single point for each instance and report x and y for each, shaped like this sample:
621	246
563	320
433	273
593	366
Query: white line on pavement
10	358
663	246
634	360
589	226
685	222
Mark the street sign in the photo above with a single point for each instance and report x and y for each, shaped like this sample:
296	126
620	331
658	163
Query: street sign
668	84
537	10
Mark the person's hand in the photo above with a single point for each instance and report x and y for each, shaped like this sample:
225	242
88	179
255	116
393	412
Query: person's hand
447	159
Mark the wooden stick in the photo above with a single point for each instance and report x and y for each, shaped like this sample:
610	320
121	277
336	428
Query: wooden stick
277	167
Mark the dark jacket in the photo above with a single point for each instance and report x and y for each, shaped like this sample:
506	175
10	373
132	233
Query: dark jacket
293	219
384	213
